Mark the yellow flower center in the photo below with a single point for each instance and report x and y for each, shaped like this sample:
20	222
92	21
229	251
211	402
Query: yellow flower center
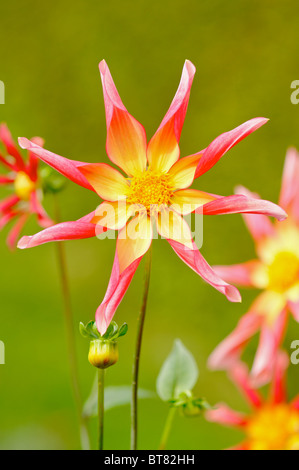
283	272
150	188
23	186
274	428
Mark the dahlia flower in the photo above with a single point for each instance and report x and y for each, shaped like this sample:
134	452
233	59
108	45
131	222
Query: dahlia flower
156	182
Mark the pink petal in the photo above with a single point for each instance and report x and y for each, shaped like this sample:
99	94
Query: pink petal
241	204
33	159
16	231
225	142
259	226
163	148
126	138
224	415
6	180
290	179
36	207
228	352
270	340
79	229
12	150
8	164
279	391
68	168
240	376
196	261
6	218
240	274
117	288
8	203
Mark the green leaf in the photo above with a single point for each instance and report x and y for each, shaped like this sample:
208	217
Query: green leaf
123	330
114	396
92	330
89	331
178	374
83	330
111	330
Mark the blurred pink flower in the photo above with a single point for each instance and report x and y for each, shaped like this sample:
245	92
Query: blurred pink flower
273	423
23	178
156	177
276	271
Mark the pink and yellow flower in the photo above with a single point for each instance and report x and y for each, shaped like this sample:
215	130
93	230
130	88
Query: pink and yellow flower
273	423
156	181
22	177
276	272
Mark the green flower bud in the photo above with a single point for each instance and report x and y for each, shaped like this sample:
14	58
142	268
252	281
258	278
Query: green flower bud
103	353
190	410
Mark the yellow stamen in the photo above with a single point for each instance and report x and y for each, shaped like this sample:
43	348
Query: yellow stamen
283	272
274	428
150	188
23	186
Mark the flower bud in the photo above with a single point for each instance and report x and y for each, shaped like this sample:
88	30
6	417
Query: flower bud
103	353
190	410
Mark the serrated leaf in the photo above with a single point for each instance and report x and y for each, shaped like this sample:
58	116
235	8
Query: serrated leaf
178	374
114	396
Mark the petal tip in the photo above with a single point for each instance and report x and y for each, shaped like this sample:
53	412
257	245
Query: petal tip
190	67
263	120
102	66
23	243
283	216
23	142
233	294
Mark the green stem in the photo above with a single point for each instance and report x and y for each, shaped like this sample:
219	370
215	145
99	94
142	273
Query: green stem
101	379
140	327
71	344
167	428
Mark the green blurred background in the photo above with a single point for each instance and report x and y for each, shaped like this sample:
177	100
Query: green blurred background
246	54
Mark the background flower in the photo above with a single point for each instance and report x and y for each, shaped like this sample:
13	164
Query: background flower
22	181
273	424
276	272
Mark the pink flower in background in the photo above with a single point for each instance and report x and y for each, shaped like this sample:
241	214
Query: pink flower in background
156	178
273	423
22	178
276	272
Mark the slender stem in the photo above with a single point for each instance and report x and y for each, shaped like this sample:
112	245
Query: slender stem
140	326
101	379
71	344
167	428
